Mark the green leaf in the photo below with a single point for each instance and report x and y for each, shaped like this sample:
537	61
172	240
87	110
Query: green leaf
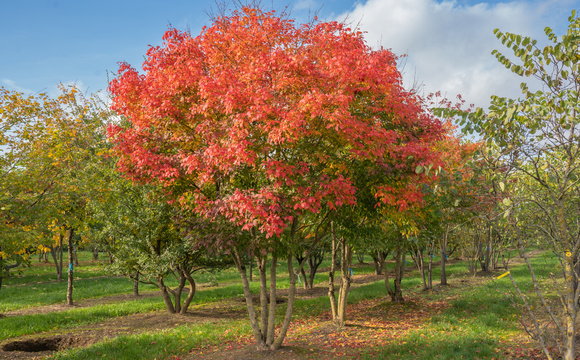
506	213
418	169
506	201
502	186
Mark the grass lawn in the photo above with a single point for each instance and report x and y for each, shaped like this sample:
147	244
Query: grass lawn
471	319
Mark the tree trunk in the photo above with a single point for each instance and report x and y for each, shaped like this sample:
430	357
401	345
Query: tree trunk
250	267
300	257
430	266
191	293
418	258
263	297
396	292
136	284
258	335
571	308
264	332
333	305
346	261
69	291
95	253
271	333
166	295
443	244
305	284
378	262
60	254
54	254
314	261
399	271
291	296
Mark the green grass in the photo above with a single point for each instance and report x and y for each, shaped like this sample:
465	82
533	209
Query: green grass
478	320
161	344
30	324
18	297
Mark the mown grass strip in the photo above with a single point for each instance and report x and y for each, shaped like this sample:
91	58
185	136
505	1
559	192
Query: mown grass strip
14	326
162	344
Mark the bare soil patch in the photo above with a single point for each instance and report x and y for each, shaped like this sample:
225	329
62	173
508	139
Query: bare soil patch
39	346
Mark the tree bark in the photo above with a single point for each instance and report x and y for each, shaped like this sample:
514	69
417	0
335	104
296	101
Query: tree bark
399	271
60	252
300	258
314	261
263	297
191	294
166	296
396	292
291	296
258	335
55	258
443	244
378	263
136	284
333	305
265	335
69	291
271	333
571	308
346	261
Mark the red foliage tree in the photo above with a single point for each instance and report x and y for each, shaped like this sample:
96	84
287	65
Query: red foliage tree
258	121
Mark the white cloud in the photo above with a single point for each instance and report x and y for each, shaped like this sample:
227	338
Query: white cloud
449	45
11	85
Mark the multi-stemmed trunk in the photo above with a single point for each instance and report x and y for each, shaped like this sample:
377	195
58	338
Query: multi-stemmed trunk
264	329
314	261
175	306
427	269
396	292
378	261
338	306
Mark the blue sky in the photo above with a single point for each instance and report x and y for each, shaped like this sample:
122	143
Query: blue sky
46	42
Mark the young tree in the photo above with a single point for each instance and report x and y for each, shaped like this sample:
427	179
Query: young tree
257	120
538	138
52	148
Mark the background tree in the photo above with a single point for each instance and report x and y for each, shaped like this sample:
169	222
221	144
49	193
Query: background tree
53	149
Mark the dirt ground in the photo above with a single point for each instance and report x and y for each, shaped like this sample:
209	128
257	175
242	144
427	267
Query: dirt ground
39	346
316	346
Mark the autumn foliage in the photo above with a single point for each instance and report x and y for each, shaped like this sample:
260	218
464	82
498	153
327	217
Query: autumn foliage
261	119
